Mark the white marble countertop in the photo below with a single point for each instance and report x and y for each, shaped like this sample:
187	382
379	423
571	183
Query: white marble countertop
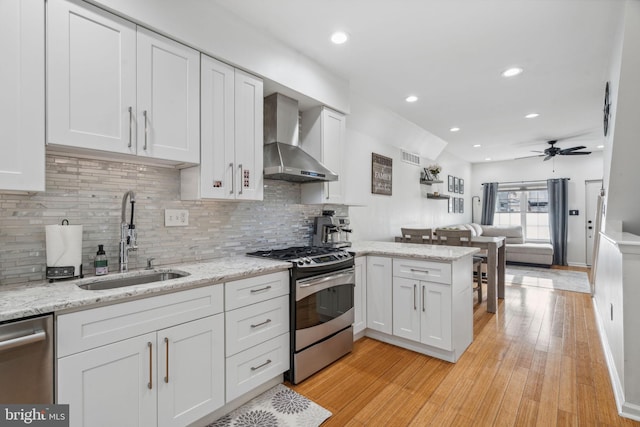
412	250
17	301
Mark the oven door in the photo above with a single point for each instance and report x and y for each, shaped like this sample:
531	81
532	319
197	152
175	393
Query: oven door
323	306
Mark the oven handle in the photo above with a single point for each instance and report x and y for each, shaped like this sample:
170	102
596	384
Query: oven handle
304	288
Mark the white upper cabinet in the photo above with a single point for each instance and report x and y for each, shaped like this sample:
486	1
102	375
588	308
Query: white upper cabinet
231	144
22	95
91	74
323	136
168	99
119	88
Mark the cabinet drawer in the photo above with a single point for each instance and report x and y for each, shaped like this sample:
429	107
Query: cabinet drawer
244	292
257	323
252	367
92	328
422	270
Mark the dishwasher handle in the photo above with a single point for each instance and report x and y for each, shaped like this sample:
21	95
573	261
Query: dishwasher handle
36	336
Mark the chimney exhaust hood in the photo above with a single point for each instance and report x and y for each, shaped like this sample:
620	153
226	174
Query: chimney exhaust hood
283	158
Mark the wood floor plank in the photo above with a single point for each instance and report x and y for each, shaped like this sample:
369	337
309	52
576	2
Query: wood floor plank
537	361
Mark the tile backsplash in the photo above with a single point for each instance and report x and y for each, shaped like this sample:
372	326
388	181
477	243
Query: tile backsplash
89	192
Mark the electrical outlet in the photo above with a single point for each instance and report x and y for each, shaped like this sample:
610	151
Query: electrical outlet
176	217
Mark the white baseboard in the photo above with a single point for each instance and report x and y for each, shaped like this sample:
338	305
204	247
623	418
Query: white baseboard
625	409
577	264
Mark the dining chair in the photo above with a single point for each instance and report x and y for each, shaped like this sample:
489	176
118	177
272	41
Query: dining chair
417	235
463	238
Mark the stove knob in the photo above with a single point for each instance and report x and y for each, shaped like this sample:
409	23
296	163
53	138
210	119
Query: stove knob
300	263
307	260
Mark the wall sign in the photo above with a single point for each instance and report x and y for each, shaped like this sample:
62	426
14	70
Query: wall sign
381	174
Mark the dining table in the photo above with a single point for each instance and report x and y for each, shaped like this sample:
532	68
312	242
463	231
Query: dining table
496	267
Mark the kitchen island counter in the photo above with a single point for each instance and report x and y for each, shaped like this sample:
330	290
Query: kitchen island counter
18	301
412	250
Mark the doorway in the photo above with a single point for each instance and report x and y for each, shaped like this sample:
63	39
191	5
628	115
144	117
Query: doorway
592	190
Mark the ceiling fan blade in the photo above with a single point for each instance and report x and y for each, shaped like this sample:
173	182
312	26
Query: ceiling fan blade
574	153
547	158
568	150
536	151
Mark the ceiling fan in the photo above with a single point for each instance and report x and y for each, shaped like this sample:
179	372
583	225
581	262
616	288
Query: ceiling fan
553	151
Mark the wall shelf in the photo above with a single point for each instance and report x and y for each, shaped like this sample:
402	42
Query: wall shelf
439	196
426	182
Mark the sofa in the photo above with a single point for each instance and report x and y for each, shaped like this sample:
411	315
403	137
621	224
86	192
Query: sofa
517	251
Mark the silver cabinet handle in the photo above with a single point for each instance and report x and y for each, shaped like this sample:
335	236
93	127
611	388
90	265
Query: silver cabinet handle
423	289
146	129
414	296
260	324
150	383
39	335
417	270
241	178
233	179
328	191
253	368
266	288
130	120
166	344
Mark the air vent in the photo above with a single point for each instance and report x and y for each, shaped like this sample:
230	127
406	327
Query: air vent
411	158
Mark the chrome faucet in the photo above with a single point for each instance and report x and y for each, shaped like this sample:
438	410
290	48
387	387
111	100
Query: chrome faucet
127	232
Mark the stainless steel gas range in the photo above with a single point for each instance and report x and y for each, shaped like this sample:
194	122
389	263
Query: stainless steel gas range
322	282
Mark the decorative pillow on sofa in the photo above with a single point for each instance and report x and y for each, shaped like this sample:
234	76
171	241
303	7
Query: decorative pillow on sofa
477	228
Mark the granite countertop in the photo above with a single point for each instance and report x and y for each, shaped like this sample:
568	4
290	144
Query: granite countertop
412	250
17	301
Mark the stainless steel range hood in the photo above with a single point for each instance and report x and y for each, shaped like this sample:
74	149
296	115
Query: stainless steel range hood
283	158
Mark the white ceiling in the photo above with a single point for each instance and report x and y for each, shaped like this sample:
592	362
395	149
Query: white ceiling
450	53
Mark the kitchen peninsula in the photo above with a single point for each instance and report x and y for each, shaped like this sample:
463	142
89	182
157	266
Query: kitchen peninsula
417	296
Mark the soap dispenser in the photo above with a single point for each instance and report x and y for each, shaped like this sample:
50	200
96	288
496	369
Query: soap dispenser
101	262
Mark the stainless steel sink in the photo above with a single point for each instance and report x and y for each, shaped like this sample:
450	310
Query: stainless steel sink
120	282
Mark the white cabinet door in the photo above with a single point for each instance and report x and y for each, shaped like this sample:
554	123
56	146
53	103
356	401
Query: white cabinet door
323	137
379	294
22	95
217	127
406	308
168	84
360	295
435	302
190	370
114	385
91	78
248	133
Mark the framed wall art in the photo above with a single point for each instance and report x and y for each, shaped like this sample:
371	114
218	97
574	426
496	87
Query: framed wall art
381	174
461	205
456	184
461	186
450	201
450	184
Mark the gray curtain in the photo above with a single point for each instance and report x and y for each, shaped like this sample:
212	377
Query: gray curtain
558	218
489	198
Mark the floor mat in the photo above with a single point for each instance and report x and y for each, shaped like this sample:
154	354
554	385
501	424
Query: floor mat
277	407
563	280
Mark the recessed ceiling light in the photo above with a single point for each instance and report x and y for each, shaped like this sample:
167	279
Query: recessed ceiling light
600	146
477	145
510	72
339	37
454	129
411	98
531	116
488	158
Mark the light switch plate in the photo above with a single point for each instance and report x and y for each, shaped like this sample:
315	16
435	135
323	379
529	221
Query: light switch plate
176	217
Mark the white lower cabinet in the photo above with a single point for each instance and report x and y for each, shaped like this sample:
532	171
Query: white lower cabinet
422	312
256	331
379	294
360	295
169	375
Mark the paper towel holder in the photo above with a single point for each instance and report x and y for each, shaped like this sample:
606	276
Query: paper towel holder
64	260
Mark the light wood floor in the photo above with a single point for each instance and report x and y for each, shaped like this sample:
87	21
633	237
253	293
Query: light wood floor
538	361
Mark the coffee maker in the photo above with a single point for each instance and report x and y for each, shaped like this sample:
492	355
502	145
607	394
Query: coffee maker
331	231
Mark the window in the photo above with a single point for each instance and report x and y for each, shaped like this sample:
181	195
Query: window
526	207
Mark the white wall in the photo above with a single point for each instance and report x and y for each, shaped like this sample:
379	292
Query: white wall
378	217
578	169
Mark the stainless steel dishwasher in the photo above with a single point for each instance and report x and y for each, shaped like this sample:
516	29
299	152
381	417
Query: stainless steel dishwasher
26	361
